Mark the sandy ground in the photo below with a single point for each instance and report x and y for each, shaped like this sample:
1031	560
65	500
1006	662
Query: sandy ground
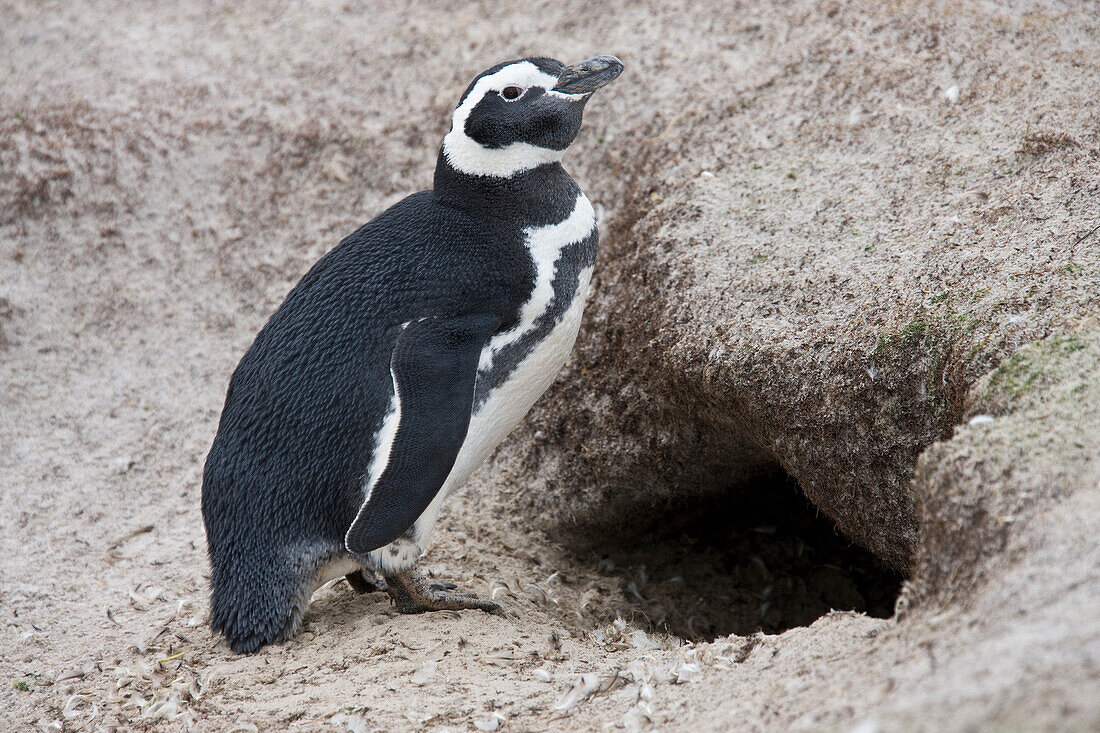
166	175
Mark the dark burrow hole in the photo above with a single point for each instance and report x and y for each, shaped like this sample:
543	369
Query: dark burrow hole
760	561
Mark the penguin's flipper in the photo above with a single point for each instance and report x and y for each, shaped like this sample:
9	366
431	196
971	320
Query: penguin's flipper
434	366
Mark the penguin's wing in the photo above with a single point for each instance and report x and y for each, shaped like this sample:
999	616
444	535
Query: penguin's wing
434	366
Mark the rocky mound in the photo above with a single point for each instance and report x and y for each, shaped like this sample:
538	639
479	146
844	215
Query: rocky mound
815	262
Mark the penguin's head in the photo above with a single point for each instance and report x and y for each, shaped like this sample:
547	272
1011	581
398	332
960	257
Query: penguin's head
522	114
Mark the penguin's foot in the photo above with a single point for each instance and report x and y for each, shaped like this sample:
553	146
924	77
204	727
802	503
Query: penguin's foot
412	592
364	581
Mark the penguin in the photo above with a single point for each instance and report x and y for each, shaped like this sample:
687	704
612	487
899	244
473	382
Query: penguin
400	360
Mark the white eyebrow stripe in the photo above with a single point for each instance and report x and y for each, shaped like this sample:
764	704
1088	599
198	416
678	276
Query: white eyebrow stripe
523	74
467	156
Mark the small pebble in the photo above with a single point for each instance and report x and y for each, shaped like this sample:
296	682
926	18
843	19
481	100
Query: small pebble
867	726
424	674
489	724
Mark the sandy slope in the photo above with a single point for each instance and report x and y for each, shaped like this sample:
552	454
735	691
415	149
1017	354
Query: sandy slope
166	174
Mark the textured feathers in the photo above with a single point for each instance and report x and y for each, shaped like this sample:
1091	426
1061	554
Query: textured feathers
285	475
346	416
434	366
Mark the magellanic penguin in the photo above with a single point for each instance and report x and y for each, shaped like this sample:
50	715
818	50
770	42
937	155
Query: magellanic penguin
400	360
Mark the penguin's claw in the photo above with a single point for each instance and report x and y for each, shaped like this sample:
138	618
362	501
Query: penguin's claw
412	593
365	582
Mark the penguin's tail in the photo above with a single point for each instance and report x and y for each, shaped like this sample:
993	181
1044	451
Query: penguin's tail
256	603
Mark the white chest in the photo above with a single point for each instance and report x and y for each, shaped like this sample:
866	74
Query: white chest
507	404
538	352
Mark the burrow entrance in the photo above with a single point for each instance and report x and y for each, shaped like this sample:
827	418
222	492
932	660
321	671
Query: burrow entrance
770	562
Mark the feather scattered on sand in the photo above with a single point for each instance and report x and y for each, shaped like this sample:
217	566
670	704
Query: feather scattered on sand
582	689
490	723
424	674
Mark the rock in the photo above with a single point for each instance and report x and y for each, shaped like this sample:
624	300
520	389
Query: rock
824	326
1043	447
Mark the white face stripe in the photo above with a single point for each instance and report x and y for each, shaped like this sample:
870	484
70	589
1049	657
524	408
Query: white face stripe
467	156
522	74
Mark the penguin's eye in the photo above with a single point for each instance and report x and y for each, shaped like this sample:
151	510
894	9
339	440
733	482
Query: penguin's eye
512	93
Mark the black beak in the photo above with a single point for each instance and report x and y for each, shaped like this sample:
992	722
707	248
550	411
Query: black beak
588	76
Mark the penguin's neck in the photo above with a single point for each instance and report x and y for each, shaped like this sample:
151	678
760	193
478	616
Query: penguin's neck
535	197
